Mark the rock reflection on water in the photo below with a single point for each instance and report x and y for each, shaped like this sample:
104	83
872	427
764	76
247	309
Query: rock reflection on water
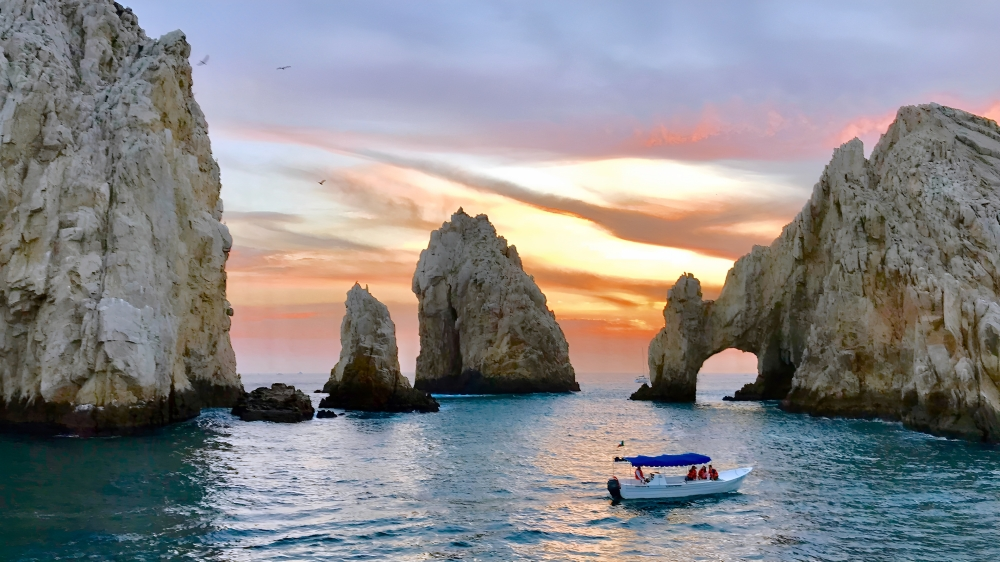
502	478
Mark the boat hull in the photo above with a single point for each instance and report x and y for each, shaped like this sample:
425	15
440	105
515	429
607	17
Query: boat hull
729	481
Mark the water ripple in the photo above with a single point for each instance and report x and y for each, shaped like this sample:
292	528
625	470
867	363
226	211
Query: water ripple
501	478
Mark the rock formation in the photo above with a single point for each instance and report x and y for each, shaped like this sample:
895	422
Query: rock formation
484	324
113	310
879	300
280	403
367	376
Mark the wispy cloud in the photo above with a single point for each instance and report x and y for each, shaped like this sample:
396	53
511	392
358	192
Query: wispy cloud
529	84
701	229
641	291
679	80
359	192
343	266
732	130
277	234
866	127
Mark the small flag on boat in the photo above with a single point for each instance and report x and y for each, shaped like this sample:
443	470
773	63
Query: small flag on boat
622	444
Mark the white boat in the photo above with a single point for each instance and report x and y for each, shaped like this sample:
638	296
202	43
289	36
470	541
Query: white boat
656	486
641	379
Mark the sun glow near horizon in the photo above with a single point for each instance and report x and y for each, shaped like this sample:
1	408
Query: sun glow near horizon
613	165
300	245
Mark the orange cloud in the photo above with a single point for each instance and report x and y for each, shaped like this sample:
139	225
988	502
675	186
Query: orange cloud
716	131
289	272
331	265
731	129
288	277
612	340
709	125
645	291
701	230
870	128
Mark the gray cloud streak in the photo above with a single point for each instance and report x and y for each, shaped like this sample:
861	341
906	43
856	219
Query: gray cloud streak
578	79
280	235
599	285
701	230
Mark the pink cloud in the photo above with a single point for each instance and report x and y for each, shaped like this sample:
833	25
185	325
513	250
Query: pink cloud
992	112
710	124
870	128
729	130
716	131
609	341
865	127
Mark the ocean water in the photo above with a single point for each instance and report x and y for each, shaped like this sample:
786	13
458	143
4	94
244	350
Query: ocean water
500	478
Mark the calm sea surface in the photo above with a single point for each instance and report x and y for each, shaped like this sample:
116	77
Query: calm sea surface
500	478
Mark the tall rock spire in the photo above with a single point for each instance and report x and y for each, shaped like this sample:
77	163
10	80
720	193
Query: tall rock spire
484	324
367	376
113	310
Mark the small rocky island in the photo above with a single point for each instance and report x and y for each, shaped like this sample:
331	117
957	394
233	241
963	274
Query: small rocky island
367	375
879	300
281	403
485	327
113	310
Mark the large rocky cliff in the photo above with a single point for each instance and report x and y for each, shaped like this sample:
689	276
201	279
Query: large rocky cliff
113	311
879	300
484	324
367	376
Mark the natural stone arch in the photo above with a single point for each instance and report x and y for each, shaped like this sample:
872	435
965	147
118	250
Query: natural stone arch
881	298
696	329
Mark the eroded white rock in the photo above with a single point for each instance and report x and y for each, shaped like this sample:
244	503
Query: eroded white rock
879	299
368	330
112	254
367	375
484	324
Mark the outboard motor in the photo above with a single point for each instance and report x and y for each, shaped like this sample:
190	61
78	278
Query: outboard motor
615	488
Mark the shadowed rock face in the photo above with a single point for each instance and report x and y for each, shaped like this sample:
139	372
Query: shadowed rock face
367	376
485	327
280	403
113	311
879	300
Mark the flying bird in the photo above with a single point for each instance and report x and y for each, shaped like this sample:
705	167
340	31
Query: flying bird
203	61
322	182
284	67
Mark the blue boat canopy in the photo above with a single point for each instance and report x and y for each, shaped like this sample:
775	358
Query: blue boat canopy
669	460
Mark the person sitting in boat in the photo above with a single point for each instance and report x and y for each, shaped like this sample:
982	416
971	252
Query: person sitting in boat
712	473
692	474
703	473
639	475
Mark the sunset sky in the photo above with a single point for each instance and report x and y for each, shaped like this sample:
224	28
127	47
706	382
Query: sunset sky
616	144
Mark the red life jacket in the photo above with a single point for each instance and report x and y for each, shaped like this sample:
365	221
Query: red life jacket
703	474
714	474
692	474
638	473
